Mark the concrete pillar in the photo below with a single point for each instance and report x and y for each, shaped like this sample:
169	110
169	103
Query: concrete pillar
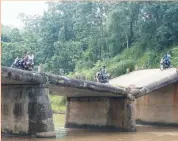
129	115
26	110
159	107
100	112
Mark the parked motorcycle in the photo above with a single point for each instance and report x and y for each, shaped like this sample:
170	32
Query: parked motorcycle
19	64
164	64
102	78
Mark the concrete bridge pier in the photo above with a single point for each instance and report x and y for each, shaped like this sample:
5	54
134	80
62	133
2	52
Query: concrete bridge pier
100	112
26	110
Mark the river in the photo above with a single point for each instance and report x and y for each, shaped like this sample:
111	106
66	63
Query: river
144	133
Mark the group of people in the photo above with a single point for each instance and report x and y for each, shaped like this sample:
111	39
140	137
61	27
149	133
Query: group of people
25	63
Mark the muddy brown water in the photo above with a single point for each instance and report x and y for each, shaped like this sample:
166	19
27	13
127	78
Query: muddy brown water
144	133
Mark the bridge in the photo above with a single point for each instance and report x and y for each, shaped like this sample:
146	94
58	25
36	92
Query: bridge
26	107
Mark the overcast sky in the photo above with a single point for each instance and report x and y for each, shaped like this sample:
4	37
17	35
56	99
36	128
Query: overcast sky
11	9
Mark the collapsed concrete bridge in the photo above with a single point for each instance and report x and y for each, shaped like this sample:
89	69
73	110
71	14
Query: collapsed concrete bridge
26	107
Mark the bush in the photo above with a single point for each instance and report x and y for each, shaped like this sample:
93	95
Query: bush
120	68
174	54
58	103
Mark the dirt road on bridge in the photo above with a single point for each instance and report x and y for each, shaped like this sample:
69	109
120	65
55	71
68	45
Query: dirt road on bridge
142	78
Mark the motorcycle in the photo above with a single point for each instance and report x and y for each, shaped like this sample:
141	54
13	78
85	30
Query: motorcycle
164	64
102	78
20	64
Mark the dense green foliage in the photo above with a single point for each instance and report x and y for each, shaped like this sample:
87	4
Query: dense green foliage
58	103
78	37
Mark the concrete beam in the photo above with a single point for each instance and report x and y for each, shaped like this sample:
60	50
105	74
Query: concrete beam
60	83
17	76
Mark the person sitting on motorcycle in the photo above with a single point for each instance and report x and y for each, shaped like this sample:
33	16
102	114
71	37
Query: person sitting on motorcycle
167	58
103	72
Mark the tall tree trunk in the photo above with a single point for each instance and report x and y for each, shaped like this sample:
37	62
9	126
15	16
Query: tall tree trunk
126	37
131	32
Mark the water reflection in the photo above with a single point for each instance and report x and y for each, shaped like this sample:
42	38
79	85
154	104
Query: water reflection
61	132
144	133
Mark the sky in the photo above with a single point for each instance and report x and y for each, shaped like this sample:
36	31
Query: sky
11	9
